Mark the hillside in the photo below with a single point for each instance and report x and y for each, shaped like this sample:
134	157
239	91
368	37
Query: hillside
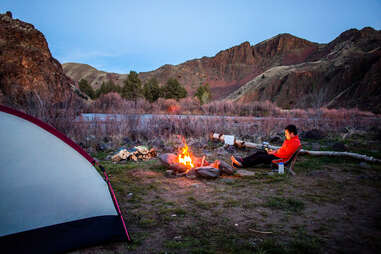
93	76
344	73
27	69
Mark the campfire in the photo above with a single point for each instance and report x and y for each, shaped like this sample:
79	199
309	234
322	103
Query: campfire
185	157
184	163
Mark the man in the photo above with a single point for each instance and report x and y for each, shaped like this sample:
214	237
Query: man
289	146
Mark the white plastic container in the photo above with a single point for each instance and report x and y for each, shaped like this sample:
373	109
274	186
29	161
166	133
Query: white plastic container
281	168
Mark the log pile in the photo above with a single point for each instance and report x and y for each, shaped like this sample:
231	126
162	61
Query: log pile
138	153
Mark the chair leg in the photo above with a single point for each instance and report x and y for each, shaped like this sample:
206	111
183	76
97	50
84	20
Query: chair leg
291	171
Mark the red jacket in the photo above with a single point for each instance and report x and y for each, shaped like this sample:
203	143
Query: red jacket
288	148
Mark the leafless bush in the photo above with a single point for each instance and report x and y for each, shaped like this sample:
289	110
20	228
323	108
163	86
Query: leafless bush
59	113
126	118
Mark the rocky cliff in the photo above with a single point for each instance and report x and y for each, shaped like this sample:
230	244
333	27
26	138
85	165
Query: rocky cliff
27	68
343	73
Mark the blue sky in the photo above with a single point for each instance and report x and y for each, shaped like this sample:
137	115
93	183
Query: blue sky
119	36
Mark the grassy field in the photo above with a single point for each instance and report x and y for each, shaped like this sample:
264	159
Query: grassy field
331	206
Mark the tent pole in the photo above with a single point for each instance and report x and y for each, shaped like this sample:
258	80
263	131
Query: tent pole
114	199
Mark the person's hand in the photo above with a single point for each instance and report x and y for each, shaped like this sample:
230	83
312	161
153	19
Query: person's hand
270	151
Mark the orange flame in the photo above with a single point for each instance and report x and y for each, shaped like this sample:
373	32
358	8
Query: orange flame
185	157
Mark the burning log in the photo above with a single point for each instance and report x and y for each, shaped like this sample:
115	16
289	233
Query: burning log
226	168
240	143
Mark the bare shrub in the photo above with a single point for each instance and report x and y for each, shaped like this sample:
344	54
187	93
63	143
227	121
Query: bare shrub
190	105
108	103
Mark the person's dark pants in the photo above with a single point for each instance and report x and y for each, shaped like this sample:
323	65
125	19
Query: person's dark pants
258	158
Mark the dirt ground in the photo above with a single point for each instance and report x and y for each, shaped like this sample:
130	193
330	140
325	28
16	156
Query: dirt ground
332	205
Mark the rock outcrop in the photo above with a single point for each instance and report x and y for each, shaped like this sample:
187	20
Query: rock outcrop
231	68
344	73
27	68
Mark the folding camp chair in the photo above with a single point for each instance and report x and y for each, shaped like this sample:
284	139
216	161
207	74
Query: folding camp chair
290	162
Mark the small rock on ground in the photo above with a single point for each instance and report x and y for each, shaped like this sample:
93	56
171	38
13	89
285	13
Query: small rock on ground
243	172
208	172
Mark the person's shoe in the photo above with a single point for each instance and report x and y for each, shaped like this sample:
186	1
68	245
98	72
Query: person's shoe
237	162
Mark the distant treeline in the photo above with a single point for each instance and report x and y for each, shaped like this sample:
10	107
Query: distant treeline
133	89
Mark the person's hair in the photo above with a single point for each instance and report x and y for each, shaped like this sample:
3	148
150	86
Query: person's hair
291	129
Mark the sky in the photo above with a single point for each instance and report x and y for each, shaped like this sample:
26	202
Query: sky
120	36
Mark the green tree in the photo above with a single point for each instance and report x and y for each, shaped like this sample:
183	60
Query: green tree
203	93
151	90
85	87
107	87
174	90
132	88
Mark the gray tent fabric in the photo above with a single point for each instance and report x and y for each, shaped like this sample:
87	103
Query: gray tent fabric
45	182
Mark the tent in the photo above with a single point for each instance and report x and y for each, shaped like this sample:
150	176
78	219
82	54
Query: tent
52	199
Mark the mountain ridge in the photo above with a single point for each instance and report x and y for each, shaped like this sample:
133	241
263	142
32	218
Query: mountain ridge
231	69
225	72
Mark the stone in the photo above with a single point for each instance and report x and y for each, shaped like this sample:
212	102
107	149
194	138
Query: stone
178	167
208	172
226	168
227	180
102	147
192	177
168	159
243	172
192	173
90	138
